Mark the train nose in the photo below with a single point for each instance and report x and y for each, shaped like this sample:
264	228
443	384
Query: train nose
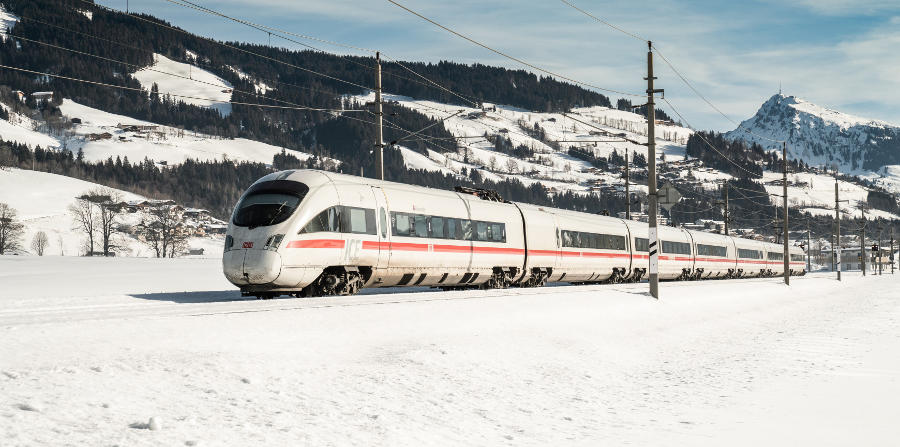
249	266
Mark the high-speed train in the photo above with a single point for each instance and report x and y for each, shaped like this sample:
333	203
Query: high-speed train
316	233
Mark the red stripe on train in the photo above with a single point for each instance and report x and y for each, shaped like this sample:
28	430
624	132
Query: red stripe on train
317	243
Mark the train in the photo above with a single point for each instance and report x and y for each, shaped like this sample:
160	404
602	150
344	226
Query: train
310	233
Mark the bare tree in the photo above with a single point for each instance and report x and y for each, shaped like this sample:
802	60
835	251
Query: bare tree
39	243
85	219
11	229
164	230
96	212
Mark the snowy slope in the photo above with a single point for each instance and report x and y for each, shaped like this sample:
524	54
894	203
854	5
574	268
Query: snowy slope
161	144
90	357
205	88
552	168
20	130
42	200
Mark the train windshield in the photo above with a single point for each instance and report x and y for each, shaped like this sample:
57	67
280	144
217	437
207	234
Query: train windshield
268	203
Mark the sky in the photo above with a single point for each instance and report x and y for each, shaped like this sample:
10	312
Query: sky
839	54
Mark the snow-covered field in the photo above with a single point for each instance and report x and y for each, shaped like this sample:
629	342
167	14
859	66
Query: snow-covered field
42	200
91	356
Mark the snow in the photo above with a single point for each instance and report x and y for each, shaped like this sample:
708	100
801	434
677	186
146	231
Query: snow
86	13
42	200
205	88
108	345
7	22
166	144
21	131
261	87
551	168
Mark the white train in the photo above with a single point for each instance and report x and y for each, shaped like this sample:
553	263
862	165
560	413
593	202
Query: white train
313	233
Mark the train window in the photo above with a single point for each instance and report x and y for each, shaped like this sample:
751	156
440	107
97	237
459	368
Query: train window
749	254
326	221
383	224
466	229
498	232
420	226
580	239
437	227
263	209
711	250
776	256
678	248
797	257
400	224
641	244
357	220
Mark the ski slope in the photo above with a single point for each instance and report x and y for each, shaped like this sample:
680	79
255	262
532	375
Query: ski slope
91	357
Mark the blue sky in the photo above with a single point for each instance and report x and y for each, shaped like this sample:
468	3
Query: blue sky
837	53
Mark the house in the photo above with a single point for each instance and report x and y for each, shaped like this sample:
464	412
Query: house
20	95
99	136
76	120
42	96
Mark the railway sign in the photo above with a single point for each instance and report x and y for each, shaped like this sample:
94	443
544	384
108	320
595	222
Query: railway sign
668	196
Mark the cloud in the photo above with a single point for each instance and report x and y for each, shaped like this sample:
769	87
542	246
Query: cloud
845	7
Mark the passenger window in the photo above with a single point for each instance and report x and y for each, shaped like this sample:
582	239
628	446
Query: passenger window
437	227
497	233
326	221
383	224
421	227
357	220
481	230
401	224
466	229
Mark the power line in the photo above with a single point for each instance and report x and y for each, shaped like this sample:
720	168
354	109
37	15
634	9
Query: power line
276	31
707	141
604	22
707	101
512	58
123	87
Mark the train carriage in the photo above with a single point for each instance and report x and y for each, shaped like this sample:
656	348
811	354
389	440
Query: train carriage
310	232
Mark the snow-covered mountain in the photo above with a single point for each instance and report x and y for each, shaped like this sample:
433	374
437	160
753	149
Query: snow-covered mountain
822	136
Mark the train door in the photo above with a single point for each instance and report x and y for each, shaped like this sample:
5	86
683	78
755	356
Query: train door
382	213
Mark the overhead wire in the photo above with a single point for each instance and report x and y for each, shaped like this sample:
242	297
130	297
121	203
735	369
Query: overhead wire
512	58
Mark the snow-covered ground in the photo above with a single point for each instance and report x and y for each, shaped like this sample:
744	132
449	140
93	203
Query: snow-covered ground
42	200
203	88
90	357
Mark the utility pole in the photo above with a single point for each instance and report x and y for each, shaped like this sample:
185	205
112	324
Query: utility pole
787	265
862	240
891	254
627	188
808	248
726	207
878	252
837	223
651	175
379	145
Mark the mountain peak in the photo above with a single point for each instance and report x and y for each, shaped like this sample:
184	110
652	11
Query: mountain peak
819	135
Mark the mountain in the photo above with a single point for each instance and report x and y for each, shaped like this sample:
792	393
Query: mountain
821	136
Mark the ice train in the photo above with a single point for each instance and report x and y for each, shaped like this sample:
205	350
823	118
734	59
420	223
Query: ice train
316	233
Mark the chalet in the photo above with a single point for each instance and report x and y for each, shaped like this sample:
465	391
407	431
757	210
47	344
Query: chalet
42	96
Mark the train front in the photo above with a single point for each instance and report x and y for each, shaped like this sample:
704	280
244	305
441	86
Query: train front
261	226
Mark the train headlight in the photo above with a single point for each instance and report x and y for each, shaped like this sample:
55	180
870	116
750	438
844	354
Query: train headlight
229	241
273	242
